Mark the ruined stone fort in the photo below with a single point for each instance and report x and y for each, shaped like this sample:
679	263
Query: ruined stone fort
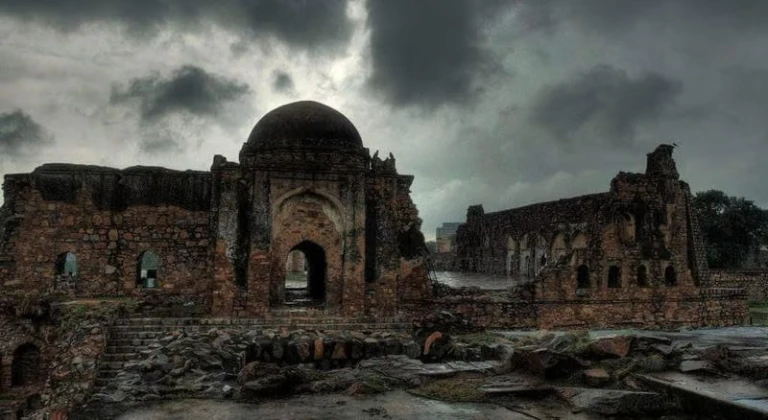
221	238
216	244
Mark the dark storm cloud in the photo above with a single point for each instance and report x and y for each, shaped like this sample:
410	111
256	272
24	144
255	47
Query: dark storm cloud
160	145
429	52
301	23
620	15
283	82
20	134
605	100
189	89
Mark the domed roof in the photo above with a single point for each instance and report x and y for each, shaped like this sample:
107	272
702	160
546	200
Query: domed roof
303	124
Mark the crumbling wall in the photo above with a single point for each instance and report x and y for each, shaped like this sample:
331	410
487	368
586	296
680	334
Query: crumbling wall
501	310
482	246
107	218
397	265
639	242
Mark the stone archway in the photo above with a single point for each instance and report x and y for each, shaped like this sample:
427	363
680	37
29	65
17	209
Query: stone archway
310	291
310	223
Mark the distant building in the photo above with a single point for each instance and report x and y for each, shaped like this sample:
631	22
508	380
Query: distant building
445	237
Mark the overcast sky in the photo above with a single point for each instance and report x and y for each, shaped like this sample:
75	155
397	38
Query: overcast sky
499	102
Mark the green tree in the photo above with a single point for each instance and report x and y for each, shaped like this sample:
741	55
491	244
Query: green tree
732	227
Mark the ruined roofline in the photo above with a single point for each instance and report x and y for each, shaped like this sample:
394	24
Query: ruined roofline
69	167
548	203
73	168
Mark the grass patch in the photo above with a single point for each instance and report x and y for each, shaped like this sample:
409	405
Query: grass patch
758	304
456	389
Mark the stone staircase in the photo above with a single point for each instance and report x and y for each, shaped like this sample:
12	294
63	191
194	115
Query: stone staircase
130	339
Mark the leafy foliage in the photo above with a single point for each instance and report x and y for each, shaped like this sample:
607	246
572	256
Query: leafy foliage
732	227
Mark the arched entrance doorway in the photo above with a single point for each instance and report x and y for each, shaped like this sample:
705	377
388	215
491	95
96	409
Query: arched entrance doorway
305	275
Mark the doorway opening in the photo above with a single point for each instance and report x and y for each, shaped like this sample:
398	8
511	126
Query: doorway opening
305	275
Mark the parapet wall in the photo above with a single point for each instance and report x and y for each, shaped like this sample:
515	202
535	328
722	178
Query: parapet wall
498	310
107	219
754	282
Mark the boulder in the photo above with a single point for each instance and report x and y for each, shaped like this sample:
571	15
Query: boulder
339	351
373	348
269	385
610	347
547	363
319	348
596	377
356	349
412	349
697	366
392	346
430	341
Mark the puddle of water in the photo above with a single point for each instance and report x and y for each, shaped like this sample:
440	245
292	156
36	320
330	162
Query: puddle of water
483	281
392	405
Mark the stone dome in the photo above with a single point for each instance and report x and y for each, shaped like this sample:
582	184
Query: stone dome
301	125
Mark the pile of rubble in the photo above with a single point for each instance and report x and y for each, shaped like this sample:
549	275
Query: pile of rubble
602	376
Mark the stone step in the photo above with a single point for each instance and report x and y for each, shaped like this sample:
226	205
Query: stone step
115	349
110	365
106	373
120	357
287	318
132	342
149	333
166	328
136	334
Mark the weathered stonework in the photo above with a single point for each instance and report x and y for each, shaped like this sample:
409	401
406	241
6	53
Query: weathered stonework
221	238
754	281
633	255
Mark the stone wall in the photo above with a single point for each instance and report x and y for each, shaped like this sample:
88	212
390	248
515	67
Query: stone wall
639	242
500	310
108	219
754	282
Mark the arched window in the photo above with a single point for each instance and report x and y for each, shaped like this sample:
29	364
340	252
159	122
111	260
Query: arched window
582	277
642	276
614	277
670	277
66	264
25	368
149	265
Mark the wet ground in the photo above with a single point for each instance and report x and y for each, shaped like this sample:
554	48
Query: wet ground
481	280
390	405
734	337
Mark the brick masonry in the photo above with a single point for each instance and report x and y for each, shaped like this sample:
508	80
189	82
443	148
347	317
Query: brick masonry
221	238
633	254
